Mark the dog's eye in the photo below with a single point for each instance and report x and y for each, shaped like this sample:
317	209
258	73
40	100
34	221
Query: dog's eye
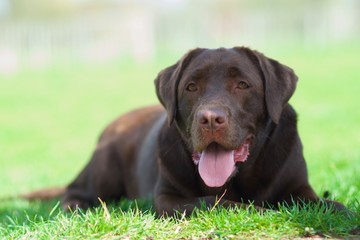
242	85
191	87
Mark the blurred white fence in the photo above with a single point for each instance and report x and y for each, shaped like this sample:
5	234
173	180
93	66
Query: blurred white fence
139	32
90	38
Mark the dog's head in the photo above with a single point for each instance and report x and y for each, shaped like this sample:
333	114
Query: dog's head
219	100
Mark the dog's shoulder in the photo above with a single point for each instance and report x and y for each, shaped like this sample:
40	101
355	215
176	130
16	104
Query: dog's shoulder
289	115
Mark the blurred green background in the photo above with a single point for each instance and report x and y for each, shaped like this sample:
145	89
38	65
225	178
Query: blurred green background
68	67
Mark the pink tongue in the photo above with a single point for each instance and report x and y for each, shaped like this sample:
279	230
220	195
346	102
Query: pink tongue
216	165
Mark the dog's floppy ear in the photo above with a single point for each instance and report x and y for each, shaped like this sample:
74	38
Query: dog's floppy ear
167	83
280	83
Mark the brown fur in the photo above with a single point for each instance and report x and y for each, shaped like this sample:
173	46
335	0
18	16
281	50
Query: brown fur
206	102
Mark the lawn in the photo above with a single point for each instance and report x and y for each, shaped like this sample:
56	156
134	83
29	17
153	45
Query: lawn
50	120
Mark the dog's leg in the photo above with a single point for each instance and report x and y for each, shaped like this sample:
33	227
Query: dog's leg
101	178
306	194
168	205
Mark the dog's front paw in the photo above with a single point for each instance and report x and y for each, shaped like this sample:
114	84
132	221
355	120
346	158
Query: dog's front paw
75	204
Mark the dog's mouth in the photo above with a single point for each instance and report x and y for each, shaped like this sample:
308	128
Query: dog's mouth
216	164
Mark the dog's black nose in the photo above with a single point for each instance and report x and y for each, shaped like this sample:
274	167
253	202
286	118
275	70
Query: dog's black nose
212	119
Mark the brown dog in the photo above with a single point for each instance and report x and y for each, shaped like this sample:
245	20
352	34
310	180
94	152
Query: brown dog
227	134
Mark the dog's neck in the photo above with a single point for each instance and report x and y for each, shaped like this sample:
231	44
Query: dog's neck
262	139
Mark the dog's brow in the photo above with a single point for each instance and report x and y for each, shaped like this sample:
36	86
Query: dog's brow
233	71
198	73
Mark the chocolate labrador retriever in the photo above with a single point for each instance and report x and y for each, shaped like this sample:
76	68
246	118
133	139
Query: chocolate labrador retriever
225	134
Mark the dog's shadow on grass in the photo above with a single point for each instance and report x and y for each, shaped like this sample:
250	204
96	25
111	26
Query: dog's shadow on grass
20	212
318	220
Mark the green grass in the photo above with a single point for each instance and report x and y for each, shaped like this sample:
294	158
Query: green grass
50	120
129	220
